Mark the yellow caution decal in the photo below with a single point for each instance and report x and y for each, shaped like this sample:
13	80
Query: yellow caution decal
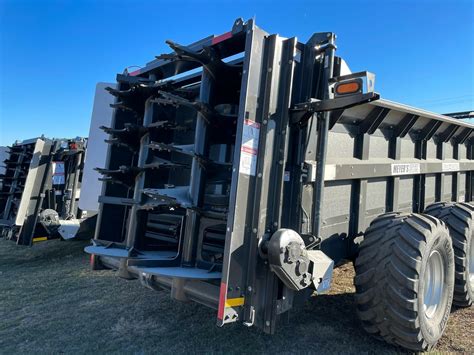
234	302
39	239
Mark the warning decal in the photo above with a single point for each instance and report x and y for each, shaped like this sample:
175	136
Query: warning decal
249	148
58	173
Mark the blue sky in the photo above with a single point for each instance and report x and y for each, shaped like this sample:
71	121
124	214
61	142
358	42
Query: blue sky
52	53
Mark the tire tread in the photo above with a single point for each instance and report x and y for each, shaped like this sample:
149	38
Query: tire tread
387	277
459	217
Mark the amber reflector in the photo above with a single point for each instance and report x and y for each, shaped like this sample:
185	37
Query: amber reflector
348	88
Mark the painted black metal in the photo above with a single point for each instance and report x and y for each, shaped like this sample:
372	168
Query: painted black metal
429	130
405	125
448	133
373	120
303	111
463	136
323	122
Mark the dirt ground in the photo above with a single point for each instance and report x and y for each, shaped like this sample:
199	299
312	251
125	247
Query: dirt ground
51	302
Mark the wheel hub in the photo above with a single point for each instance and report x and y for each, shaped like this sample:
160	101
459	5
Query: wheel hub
434	284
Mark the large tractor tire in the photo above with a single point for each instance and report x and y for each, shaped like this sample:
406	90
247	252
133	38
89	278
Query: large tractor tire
459	217
405	279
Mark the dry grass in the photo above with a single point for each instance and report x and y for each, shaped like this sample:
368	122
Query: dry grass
50	302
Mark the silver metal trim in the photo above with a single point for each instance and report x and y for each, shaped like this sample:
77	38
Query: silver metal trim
433	284
419	112
471	263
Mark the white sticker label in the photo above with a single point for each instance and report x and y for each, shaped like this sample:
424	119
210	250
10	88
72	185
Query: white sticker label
249	147
58	173
330	172
451	167
462	198
405	169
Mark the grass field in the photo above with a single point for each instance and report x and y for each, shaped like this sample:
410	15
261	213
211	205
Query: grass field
50	301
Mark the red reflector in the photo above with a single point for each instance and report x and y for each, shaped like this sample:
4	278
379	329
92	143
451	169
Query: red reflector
134	73
220	311
222	37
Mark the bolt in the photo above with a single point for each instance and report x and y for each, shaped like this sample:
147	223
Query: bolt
254	230
249	288
259	175
265	122
267	323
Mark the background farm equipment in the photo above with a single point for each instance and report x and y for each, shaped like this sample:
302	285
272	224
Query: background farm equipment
41	189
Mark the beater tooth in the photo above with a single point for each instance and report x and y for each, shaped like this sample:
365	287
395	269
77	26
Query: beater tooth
187	149
207	57
129	131
118	143
119	93
167	125
158	163
173	196
175	100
